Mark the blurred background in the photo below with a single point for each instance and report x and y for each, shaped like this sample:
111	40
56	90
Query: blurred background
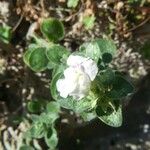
127	22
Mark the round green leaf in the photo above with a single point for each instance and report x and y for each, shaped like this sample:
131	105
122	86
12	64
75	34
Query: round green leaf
27	54
91	50
52	29
38	60
53	107
55	53
34	106
107	57
106	46
105	78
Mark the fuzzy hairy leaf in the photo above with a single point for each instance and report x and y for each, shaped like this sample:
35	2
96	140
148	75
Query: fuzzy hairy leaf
52	29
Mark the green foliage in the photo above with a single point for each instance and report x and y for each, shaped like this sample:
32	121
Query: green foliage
27	54
88	21
41	54
37	130
88	116
115	86
5	33
107	57
106	91
53	107
106	46
91	50
120	88
51	139
34	106
52	29
98	49
72	3
55	53
77	106
105	78
38	60
109	115
43	124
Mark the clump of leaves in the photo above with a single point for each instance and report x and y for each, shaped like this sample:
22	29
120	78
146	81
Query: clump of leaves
107	90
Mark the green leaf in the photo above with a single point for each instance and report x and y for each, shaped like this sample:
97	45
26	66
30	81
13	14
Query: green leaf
78	106
105	78
98	49
72	3
26	147
120	88
53	89
34	106
113	85
106	46
110	116
37	130
67	103
51	139
56	74
27	55
55	53
38	60
91	50
51	65
48	118
52	29
88	21
5	33
106	57
53	107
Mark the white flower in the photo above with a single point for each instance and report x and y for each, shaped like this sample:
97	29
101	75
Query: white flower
77	77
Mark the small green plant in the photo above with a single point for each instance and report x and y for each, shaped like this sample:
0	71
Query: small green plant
88	21
5	33
82	81
72	3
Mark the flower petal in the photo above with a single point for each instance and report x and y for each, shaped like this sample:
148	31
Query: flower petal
62	88
90	68
75	60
